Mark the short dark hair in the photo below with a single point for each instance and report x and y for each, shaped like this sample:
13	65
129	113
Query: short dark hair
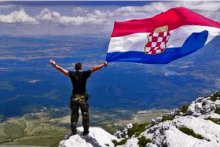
78	66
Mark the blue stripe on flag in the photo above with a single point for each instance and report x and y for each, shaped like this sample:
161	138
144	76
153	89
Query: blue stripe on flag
193	43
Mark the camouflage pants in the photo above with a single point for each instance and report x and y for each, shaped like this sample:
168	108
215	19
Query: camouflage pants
76	101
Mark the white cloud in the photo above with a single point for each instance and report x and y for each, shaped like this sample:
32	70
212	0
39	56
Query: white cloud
208	9
153	7
76	19
79	9
31	58
18	16
6	6
138	12
34	81
3	69
156	7
97	17
201	6
46	14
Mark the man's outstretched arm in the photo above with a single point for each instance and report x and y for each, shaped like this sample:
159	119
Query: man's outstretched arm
59	68
96	68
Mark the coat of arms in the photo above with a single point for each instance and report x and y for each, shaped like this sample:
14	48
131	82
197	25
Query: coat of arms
157	41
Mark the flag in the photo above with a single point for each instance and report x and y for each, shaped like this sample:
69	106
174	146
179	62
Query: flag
161	39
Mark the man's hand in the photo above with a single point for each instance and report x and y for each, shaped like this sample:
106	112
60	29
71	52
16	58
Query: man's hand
96	68
59	68
52	62
105	63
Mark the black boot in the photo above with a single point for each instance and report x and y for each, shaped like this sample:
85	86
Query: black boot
73	132
85	132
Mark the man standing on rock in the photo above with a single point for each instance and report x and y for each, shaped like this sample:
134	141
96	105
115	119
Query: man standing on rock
79	97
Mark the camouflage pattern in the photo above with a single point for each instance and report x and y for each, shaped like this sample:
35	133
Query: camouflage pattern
76	101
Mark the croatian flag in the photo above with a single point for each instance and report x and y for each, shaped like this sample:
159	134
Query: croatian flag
162	38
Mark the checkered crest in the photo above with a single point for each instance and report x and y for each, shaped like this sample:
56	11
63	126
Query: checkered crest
157	42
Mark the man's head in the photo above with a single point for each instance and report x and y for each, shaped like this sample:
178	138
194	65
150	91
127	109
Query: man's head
78	66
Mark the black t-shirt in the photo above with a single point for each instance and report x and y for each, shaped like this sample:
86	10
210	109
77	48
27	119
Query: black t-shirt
79	86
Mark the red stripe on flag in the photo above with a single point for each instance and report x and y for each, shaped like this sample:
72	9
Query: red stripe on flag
174	18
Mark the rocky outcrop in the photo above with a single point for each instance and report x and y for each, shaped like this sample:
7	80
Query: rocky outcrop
194	125
97	137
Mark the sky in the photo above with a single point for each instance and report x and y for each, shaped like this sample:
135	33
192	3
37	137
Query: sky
86	18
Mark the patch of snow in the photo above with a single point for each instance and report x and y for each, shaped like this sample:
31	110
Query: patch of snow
97	137
133	142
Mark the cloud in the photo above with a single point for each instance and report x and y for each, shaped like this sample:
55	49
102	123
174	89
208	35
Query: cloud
18	17
201	5
6	6
145	10
3	69
208	9
46	14
31	58
97	17
91	19
80	9
101	17
34	81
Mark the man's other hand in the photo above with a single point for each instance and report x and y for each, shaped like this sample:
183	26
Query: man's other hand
105	63
52	62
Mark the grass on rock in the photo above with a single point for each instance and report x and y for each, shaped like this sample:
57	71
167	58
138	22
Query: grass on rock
123	141
217	111
142	141
137	129
190	132
184	108
215	120
166	117
214	96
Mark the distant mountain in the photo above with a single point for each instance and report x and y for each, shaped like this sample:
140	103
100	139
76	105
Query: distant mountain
193	125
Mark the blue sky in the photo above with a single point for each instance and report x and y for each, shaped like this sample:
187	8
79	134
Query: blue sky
86	18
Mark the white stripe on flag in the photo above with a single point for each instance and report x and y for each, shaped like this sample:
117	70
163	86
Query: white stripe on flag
178	36
133	42
137	41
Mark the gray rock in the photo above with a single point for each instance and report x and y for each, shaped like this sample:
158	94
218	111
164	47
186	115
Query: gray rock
152	130
171	115
181	113
213	107
148	126
191	109
158	119
176	111
217	105
196	114
153	122
198	107
199	100
129	125
208	108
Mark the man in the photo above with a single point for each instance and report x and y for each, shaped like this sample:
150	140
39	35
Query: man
79	97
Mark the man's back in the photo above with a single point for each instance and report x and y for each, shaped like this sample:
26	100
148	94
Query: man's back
79	84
